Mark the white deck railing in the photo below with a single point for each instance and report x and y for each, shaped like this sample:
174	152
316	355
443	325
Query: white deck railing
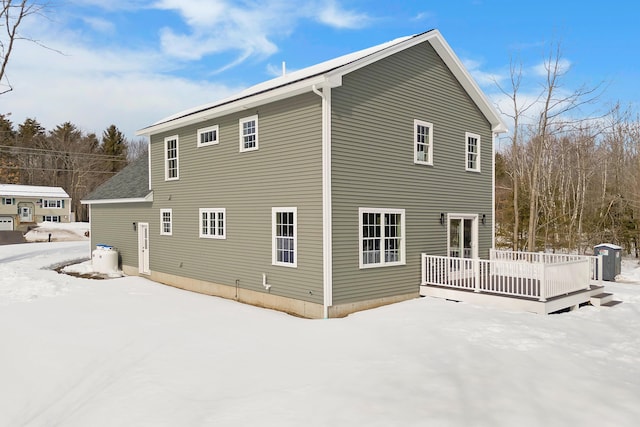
595	262
508	277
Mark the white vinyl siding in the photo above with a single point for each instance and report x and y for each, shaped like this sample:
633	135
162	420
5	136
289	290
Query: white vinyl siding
208	136
249	133
171	166
382	240
166	222
472	152
422	142
213	223
284	236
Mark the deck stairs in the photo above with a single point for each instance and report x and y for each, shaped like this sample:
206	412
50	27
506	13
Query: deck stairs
599	298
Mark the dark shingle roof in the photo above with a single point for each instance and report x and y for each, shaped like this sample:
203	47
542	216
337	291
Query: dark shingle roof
131	182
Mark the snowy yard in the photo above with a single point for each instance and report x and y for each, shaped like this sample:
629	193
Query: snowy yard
130	352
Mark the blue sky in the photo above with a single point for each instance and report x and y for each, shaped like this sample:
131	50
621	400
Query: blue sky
134	62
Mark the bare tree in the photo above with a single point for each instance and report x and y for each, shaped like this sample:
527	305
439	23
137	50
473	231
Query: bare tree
12	16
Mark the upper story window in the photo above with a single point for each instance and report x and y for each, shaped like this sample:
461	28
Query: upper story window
213	223
249	133
472	152
8	201
382	241
208	136
284	246
171	158
166	222
423	142
52	203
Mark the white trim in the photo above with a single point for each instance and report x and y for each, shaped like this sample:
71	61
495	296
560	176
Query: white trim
327	230
468	135
429	144
147	198
216	140
215	211
162	222
144	268
166	158
493	191
274	256
403	237
241	134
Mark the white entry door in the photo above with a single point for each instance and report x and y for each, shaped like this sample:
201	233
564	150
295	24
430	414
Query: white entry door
463	241
143	248
25	214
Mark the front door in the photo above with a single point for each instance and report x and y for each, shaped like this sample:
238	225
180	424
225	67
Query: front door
25	214
463	241
143	248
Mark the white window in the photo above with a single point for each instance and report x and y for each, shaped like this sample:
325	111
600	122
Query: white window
51	218
165	222
171	158
382	240
208	136
473	152
213	223
249	133
423	142
8	201
284	232
53	204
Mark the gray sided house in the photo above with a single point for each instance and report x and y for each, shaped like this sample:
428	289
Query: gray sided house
22	206
314	193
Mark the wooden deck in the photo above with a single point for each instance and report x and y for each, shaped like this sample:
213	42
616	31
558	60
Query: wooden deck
542	285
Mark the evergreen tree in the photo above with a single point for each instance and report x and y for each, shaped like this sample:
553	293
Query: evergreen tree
114	144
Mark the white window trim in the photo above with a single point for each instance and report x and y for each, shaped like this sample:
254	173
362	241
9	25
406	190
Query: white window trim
166	158
216	211
162	232
240	125
52	203
403	237
429	159
202	131
274	256
50	218
468	135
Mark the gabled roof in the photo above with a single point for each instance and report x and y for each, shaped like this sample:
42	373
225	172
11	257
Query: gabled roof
129	185
16	190
329	74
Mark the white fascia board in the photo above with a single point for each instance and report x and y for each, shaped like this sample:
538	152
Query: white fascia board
148	198
468	83
450	59
251	101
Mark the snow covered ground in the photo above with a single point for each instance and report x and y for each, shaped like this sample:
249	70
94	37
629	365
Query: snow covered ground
130	352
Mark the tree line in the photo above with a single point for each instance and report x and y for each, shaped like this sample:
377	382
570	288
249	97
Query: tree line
567	180
63	157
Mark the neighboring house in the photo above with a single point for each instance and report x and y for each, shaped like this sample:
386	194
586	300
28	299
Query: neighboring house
25	205
314	193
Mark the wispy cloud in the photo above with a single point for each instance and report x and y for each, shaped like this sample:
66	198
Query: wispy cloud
483	78
542	68
100	25
334	15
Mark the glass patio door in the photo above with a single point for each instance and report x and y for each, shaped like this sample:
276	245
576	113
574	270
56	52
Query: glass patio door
462	243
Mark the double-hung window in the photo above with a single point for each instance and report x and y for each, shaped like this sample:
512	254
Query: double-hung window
213	223
171	158
422	142
8	201
52	204
208	136
166	222
249	133
284	236
51	218
472	151
382	241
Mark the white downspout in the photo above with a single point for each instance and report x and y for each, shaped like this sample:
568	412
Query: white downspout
327	249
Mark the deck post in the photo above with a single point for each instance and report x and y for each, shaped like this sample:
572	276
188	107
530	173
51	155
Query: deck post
476	274
543	282
423	279
600	272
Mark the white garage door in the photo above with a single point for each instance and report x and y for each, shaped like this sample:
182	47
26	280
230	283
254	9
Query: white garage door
6	223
